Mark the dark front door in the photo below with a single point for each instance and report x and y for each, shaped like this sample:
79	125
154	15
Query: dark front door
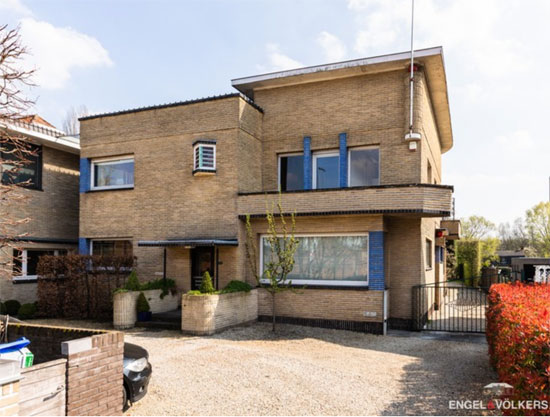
202	260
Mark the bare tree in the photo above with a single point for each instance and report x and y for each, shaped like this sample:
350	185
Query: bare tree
14	150
71	125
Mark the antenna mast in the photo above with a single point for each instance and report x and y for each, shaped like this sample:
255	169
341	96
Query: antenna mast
411	81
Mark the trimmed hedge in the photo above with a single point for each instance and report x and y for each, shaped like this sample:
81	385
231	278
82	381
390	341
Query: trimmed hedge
12	307
27	311
518	334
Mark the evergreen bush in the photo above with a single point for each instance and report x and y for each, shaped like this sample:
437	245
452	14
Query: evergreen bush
142	304
206	284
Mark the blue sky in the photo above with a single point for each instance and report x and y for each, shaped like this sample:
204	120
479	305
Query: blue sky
112	55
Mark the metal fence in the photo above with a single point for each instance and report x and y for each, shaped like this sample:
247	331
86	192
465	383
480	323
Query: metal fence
450	306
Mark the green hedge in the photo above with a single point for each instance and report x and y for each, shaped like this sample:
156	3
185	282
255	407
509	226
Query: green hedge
468	253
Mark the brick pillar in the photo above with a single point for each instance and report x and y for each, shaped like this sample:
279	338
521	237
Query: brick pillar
9	388
376	261
94	374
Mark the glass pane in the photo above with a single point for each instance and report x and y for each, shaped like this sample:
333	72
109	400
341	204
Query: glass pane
114	173
292	173
112	248
327	171
23	173
33	257
364	167
327	258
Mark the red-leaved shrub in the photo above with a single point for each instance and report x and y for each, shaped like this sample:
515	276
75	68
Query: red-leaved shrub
518	333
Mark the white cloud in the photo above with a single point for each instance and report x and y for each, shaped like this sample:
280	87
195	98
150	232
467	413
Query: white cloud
333	47
55	52
15	6
278	61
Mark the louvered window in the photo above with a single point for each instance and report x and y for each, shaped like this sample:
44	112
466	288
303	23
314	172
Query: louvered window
204	157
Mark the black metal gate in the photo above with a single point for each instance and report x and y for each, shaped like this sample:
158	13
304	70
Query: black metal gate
449	307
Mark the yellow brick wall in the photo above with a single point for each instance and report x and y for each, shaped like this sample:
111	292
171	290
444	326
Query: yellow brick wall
372	109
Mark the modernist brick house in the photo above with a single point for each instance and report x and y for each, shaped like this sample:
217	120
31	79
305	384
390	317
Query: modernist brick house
51	206
172	184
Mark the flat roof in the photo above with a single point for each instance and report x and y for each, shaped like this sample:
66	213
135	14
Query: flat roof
430	58
174	104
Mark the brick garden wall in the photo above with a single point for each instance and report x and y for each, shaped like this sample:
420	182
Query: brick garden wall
94	364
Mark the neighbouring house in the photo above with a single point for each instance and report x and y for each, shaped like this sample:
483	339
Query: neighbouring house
531	269
505	256
51	204
172	184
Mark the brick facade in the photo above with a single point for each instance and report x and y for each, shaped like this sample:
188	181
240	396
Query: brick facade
307	115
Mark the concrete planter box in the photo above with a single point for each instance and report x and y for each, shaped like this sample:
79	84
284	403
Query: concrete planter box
124	306
209	314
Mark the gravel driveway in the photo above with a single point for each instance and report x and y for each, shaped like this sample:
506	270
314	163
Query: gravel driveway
302	370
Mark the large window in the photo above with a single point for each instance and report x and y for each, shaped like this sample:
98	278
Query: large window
113	173
291	172
111	247
326	170
327	260
364	167
25	262
28	174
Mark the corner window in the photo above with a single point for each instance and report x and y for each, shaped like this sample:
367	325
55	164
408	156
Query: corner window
204	154
326	170
28	175
291	172
113	173
429	254
341	260
111	248
363	167
25	262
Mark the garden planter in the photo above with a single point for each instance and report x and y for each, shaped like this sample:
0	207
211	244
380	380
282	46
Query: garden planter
124	306
209	314
144	316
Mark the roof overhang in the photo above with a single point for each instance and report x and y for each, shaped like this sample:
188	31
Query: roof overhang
190	242
52	138
431	59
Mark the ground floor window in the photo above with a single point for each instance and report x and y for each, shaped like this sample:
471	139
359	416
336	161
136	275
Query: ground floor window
327	260
25	261
429	256
112	248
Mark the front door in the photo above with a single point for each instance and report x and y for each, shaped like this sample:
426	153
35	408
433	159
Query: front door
202	260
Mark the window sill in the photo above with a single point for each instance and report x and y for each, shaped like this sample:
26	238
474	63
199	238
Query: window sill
98	190
203	172
329	287
33	279
429	269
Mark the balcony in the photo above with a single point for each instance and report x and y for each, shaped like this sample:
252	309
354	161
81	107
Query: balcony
426	200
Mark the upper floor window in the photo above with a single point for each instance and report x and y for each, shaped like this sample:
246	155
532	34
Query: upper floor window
113	173
364	167
326	170
28	174
291	172
204	154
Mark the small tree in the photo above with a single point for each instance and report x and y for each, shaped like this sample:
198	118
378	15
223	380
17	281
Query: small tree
538	227
476	227
282	248
206	284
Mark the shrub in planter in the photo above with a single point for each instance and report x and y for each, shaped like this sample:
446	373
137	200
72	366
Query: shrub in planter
27	311
12	307
133	282
236	286
143	308
206	284
2	308
519	339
